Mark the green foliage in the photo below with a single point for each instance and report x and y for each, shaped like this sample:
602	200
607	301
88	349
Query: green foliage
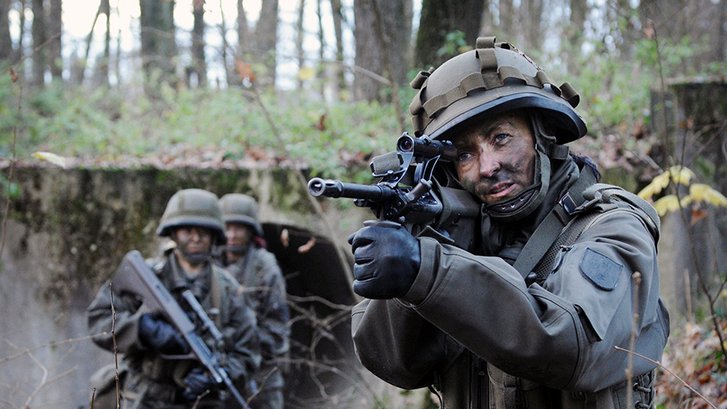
107	125
454	43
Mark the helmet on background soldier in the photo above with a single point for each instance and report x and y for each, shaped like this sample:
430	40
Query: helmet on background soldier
196	208
493	79
242	209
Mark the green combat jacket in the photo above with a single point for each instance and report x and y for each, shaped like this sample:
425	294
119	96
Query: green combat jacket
471	326
264	287
153	381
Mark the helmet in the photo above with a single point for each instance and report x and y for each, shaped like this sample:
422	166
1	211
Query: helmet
193	207
239	208
493	78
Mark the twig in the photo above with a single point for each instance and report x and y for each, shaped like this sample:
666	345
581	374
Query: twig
636	279
657	363
316	206
52	344
117	381
40	385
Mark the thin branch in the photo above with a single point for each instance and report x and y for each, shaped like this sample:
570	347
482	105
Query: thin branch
657	363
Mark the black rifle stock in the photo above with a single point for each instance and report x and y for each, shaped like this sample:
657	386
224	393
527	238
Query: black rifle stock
134	276
406	192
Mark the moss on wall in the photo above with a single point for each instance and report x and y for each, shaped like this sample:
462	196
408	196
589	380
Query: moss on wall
92	217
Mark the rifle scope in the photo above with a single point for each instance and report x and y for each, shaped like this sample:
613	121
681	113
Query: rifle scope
426	147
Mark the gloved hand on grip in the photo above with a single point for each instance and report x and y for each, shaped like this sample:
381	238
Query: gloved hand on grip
158	335
386	260
196	383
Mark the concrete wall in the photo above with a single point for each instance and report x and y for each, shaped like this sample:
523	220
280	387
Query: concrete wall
66	232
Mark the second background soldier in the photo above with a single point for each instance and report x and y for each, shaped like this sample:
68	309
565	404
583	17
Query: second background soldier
246	258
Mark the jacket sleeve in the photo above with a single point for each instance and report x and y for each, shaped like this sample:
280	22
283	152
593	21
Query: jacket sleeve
562	334
242	345
273	314
396	344
103	326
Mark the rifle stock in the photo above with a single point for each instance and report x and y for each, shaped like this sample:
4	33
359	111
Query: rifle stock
134	276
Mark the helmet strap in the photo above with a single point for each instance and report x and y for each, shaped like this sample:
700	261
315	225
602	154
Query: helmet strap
529	199
546	140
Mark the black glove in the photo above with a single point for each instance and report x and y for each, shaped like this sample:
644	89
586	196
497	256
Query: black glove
386	260
158	335
196	383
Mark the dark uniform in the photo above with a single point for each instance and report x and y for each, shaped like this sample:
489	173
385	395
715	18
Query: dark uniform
264	287
151	380
484	333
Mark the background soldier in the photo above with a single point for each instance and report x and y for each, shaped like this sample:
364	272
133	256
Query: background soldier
562	267
193	221
246	258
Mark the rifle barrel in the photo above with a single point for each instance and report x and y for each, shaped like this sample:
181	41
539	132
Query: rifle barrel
335	188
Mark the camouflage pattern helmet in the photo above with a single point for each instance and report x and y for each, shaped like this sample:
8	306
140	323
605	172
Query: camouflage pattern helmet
196	208
242	209
493	78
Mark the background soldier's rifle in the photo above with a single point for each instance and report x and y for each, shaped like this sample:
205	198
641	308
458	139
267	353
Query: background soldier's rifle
406	192
134	276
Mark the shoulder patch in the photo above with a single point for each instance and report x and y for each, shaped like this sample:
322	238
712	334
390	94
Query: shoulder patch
600	270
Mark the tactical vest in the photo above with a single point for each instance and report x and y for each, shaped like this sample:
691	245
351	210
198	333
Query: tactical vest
577	209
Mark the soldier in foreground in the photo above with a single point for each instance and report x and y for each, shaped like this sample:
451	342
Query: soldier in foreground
257	270
160	373
561	272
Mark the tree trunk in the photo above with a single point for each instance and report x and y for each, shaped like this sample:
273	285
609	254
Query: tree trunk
574	34
6	45
487	22
321	70
103	63
243	29
40	48
55	29
158	45
382	38
533	15
299	35
439	18
337	72
266	39
199	63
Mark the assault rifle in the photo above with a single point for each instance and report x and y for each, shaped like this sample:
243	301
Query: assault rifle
134	276
406	192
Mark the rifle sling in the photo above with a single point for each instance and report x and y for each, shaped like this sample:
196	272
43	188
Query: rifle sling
550	228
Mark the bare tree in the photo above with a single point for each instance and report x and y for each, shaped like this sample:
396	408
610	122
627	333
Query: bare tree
337	14
266	38
158	45
440	18
40	49
199	63
574	33
299	35
382	43
532	12
102	66
6	45
55	29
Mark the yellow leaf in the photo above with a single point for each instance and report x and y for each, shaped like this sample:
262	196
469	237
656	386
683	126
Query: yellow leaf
306	73
51	157
680	174
704	193
655	187
668	203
